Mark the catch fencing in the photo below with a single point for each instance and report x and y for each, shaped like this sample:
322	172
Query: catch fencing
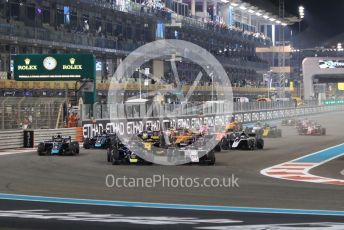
31	112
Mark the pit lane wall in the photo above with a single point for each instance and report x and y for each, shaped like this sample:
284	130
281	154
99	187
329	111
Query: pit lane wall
133	126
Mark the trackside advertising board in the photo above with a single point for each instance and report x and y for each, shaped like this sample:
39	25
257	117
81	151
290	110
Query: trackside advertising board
54	67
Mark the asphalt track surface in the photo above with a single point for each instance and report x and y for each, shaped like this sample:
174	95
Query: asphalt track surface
66	216
84	177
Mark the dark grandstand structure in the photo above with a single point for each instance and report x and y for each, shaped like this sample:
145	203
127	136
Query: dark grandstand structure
112	29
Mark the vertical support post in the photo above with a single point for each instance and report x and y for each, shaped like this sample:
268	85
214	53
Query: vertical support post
193	8
204	8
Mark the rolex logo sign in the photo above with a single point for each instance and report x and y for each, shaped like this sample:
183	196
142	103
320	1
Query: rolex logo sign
72	61
72	65
27	65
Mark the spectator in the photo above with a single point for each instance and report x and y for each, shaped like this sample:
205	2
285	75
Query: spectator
25	123
72	120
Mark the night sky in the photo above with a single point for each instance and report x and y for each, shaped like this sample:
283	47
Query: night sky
323	22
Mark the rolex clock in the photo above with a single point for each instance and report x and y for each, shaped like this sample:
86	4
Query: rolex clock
49	63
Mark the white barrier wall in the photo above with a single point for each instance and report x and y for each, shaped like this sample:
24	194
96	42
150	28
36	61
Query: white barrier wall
131	126
15	138
11	139
41	135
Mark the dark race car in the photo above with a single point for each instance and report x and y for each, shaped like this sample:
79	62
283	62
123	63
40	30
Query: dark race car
119	153
126	153
58	145
264	130
150	136
98	142
144	150
244	141
290	122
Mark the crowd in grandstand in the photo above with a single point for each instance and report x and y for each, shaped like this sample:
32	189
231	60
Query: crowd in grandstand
231	45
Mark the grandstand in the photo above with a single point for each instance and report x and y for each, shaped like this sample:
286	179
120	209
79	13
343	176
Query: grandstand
230	30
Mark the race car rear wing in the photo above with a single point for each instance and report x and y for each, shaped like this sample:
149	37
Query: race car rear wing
61	137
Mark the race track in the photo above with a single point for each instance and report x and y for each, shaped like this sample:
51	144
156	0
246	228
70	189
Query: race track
84	176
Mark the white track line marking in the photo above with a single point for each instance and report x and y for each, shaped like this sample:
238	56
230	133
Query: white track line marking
299	171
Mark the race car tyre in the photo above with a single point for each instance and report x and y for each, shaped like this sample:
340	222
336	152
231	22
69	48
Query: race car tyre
40	149
279	133
115	157
74	148
218	147
77	147
260	143
108	155
251	145
87	143
211	157
224	144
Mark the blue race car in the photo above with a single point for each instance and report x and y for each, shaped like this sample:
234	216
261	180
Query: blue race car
102	141
58	145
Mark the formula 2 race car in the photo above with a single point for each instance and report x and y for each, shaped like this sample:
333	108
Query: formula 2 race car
58	145
290	122
243	141
143	150
182	137
265	130
310	128
119	153
98	142
195	153
223	138
150	136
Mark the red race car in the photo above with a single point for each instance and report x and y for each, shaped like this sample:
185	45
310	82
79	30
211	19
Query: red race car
311	128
